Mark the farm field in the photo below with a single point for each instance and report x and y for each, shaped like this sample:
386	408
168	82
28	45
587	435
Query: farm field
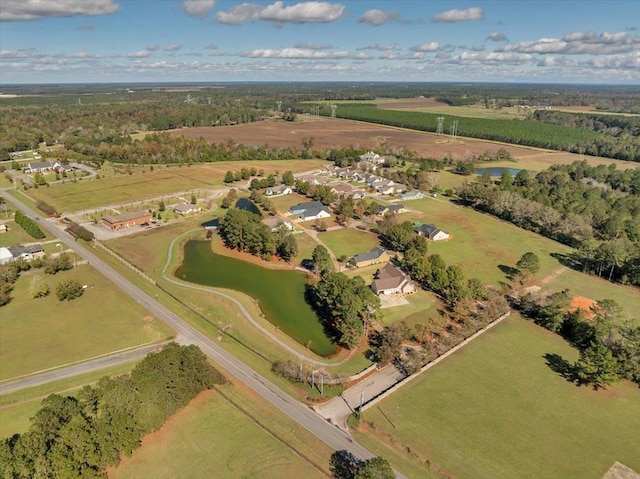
496	410
143	183
16	235
349	242
65	332
238	439
329	133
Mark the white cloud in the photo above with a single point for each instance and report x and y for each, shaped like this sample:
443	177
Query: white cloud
153	47
376	46
426	47
278	14
477	48
456	15
405	56
173	48
14	54
198	8
211	46
378	17
497	37
24	10
579	43
491	58
618	62
85	54
553	61
139	54
301	53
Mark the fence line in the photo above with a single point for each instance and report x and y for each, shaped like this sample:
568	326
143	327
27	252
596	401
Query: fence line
126	262
430	364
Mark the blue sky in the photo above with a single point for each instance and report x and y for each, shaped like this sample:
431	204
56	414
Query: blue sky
567	41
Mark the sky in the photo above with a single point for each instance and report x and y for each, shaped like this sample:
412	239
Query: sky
104	41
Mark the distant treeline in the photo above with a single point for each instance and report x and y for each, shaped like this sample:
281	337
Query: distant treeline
521	132
82	435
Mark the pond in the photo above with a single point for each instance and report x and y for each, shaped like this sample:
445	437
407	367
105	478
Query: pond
247	205
495	171
280	294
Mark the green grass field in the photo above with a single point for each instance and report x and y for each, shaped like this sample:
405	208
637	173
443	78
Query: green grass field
213	437
496	410
16	235
349	242
39	334
143	183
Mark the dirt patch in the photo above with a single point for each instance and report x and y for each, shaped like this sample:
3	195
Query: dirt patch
583	304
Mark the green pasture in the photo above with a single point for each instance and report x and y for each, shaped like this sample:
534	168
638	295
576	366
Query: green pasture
16	235
284	202
306	244
468	111
496	410
143	183
242	439
16	408
283	305
349	241
481	243
39	334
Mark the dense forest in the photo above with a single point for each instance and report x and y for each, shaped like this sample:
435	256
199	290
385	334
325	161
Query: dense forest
521	132
79	436
595	209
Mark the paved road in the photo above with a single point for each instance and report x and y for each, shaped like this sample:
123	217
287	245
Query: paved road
329	434
72	370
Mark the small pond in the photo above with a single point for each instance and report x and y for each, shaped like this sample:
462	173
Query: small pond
280	294
495	171
247	205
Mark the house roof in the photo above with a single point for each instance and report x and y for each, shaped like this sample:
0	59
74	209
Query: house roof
301	207
185	208
389	277
374	254
40	164
18	250
411	194
315	210
133	215
5	253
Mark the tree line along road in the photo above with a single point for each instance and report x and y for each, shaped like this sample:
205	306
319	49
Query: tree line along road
314	423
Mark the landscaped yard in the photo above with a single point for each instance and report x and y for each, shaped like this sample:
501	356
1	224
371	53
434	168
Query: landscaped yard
349	241
43	333
213	437
496	410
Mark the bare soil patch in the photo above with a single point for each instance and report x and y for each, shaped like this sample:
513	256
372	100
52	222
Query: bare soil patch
583	304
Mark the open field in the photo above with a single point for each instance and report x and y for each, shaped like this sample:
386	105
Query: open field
143	183
470	111
16	408
238	439
16	235
480	242
65	332
349	241
496	410
329	133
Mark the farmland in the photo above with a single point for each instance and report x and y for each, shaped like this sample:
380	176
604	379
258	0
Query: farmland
496	410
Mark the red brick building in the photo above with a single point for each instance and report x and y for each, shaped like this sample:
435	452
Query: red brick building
125	220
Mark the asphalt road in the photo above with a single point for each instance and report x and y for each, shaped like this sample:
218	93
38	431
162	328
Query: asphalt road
72	370
310	420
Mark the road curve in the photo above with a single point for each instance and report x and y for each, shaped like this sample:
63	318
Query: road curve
329	434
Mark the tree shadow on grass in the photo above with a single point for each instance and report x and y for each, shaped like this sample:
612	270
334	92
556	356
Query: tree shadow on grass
509	271
561	366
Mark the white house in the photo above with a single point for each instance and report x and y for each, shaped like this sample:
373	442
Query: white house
5	255
432	232
412	195
392	280
278	190
311	210
371	157
275	223
186	208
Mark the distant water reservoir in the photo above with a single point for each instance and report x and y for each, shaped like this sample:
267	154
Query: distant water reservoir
495	171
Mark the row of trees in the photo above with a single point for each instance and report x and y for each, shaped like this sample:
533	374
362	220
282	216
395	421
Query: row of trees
83	435
28	225
244	231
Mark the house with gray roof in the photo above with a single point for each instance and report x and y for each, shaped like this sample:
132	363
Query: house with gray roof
392	280
432	232
310	210
375	256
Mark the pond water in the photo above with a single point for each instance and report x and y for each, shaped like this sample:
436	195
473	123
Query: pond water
495	171
247	205
280	294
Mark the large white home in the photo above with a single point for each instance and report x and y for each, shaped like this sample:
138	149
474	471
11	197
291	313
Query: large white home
311	210
432	232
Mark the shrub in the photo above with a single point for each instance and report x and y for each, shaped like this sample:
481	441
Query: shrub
69	290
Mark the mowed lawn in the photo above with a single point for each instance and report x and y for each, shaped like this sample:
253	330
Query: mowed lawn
481	243
38	334
16	235
143	183
496	410
212	437
349	241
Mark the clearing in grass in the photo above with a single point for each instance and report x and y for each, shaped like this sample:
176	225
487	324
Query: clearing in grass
39	334
496	409
349	242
